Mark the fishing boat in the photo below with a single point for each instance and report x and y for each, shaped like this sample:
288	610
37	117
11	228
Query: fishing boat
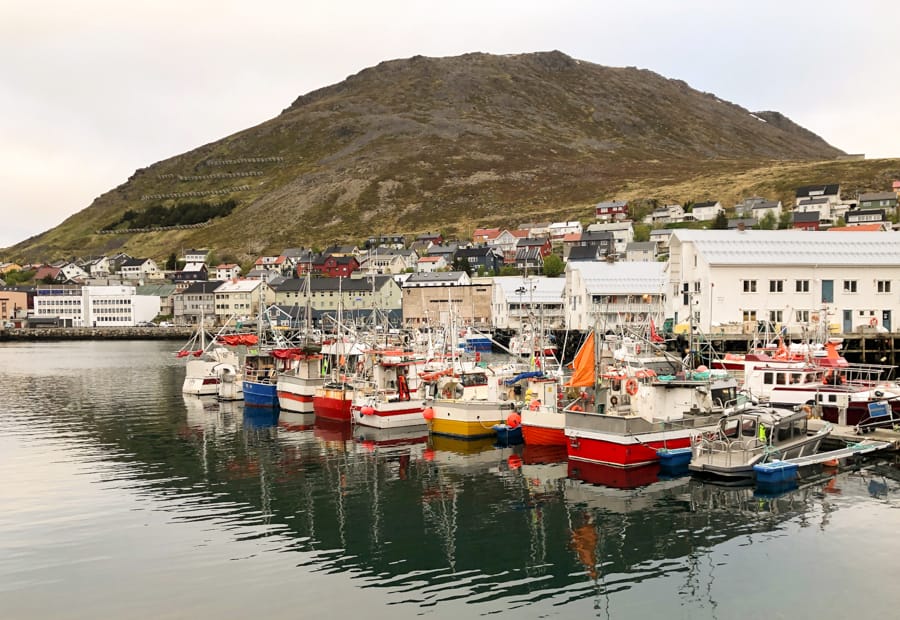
467	402
297	383
388	395
752	436
633	413
209	363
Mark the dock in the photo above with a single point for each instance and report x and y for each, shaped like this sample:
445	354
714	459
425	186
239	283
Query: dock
843	435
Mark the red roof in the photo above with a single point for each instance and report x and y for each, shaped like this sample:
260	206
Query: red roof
571	237
521	234
860	228
486	233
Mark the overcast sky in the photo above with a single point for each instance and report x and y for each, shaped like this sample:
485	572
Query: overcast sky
91	90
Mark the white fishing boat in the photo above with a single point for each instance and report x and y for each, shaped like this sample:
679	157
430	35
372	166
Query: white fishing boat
390	393
754	435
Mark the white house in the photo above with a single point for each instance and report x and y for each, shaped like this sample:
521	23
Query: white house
195	256
71	271
518	301
668	214
761	209
641	251
430	264
140	269
558	230
800	279
830	192
614	296
706	211
438	278
227	271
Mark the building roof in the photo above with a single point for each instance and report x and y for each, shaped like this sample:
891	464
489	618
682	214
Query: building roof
860	228
430	259
623	278
611	204
537	289
318	285
807	217
239	286
134	262
707	203
202	288
227	266
765	204
878	196
159	290
531	242
813	201
831	189
435	276
584	252
793	247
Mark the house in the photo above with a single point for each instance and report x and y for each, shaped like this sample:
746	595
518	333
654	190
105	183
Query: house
98	267
448	252
263	275
761	209
641	251
117	260
353	295
745	207
856	217
197	300
430	239
192	272
140	269
612	210
706	211
615	296
830	192
46	273
622	232
430	264
396	242
506	242
794	278
71	272
536	229
742	223
603	240
195	256
558	230
293	257
7	267
661	237
271	263
519	301
806	220
530	253
227	271
334	266
485	260
241	299
381	260
669	214
483	236
584	252
874	200
449	297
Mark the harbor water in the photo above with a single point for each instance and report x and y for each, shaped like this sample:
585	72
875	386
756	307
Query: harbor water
122	498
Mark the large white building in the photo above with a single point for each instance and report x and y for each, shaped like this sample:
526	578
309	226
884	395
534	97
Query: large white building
518	301
615	296
95	306
791	278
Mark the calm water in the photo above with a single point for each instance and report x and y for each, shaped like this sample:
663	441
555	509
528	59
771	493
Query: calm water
123	499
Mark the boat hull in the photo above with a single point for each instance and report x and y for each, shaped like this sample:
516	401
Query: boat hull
200	386
468	419
296	393
260	394
393	414
333	404
623	451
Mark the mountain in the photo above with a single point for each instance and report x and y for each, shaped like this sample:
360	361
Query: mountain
426	144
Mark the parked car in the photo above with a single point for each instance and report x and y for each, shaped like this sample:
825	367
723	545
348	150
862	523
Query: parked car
166	324
146	324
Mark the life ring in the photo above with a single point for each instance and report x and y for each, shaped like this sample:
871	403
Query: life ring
613	400
631	386
576	408
534	405
873	322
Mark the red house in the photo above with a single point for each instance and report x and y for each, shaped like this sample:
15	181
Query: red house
332	266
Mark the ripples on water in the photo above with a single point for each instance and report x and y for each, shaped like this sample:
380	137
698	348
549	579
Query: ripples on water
123	498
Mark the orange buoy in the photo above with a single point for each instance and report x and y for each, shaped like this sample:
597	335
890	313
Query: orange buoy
428	413
367	410
513	420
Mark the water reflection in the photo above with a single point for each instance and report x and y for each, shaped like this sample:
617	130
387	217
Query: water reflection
425	521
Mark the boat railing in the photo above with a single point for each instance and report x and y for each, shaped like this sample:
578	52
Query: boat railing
261	375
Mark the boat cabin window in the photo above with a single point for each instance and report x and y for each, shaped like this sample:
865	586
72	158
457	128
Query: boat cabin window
799	427
748	427
796	377
784	431
781	378
768	378
471	379
730	428
720	396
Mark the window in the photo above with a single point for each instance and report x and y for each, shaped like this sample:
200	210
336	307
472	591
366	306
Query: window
801	286
749	316
775	316
749	286
849	286
776	286
802	316
883	286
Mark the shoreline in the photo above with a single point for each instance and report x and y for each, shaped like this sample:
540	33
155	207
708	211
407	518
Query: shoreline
96	333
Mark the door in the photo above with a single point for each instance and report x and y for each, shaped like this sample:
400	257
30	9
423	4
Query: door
827	291
848	321
886	319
